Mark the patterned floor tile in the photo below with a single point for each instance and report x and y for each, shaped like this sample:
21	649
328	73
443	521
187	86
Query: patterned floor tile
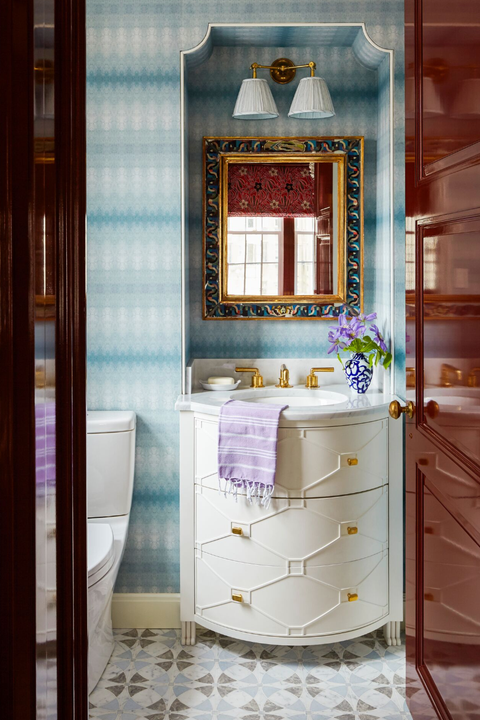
150	676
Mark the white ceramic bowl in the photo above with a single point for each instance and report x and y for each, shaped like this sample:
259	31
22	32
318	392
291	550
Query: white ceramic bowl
220	388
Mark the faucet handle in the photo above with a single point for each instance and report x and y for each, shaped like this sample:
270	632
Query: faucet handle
446	372
257	379
472	377
284	379
312	380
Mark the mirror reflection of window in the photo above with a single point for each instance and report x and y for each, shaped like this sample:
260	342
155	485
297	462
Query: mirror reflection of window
306	260
281	233
253	255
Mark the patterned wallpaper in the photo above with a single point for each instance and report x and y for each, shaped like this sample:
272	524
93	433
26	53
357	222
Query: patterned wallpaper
133	98
212	89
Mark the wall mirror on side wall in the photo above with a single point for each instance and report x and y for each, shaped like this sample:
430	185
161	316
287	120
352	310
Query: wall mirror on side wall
283	227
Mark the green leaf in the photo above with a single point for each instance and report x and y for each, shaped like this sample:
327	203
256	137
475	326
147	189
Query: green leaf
387	360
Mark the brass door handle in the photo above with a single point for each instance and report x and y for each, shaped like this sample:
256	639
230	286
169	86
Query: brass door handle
237	531
396	410
352	461
352	597
237	597
432	409
352	530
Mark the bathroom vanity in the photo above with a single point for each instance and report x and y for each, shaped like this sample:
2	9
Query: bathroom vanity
324	562
283	243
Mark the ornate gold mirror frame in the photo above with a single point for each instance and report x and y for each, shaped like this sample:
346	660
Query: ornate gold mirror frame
219	154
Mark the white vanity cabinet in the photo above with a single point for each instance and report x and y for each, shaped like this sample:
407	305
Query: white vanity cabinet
324	562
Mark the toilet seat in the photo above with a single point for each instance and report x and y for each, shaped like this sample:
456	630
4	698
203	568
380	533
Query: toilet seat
101	551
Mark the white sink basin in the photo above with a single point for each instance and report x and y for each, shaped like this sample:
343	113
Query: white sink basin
455	402
296	398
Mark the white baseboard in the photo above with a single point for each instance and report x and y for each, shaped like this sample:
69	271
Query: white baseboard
146	610
152	610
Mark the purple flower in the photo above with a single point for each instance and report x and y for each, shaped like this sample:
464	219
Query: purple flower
378	337
367	318
357	328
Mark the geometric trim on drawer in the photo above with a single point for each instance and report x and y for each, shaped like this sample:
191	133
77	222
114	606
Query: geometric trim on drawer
314	533
320	455
288	603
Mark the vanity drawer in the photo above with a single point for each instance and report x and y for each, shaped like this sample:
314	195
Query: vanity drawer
311	462
318	531
273	601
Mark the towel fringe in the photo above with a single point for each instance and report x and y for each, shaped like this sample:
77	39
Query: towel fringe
255	491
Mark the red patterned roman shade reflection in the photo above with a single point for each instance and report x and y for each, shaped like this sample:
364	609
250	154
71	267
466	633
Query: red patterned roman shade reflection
268	190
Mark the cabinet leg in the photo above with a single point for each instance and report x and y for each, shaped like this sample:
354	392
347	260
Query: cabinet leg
391	632
188	632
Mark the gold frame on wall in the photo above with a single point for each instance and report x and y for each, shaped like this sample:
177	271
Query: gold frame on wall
351	150
265	158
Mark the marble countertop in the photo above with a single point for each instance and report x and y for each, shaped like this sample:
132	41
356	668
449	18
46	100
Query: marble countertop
350	405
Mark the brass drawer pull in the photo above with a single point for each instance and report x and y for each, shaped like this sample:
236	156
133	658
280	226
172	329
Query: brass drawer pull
237	597
352	461
237	531
352	597
352	530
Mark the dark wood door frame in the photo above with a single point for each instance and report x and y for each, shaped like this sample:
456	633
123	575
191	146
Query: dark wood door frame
17	379
70	152
17	509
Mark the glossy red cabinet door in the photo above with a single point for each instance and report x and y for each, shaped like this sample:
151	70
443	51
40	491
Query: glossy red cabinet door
443	358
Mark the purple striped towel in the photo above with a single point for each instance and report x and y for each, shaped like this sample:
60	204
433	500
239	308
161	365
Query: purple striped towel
247	449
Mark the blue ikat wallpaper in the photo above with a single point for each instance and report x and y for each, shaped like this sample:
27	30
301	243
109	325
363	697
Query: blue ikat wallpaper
133	163
212	89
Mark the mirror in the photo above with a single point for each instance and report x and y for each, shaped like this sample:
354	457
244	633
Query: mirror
282	235
284	229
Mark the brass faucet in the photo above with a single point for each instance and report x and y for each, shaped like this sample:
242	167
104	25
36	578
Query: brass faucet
411	378
283	380
446	372
257	379
472	377
312	380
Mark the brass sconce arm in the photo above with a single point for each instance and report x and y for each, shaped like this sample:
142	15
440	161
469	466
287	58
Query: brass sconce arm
282	70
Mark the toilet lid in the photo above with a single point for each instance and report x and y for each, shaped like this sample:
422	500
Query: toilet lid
101	551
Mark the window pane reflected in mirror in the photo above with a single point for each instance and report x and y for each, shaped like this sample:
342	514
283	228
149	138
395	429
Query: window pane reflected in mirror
282	229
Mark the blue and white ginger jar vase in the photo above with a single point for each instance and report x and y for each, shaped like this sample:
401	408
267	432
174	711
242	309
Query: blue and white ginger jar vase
358	373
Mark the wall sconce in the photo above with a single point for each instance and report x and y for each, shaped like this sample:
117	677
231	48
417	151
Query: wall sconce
466	105
255	101
432	104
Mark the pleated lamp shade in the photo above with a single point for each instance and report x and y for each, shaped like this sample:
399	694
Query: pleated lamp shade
432	102
255	101
312	100
466	105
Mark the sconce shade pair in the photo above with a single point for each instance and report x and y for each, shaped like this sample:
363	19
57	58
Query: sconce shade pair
255	100
466	104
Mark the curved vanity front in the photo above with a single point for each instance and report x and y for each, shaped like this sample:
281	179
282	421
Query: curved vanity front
324	561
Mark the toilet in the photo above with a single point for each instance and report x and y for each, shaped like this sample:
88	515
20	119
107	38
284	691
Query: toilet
110	471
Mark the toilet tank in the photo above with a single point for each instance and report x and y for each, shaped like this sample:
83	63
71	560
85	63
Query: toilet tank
110	462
